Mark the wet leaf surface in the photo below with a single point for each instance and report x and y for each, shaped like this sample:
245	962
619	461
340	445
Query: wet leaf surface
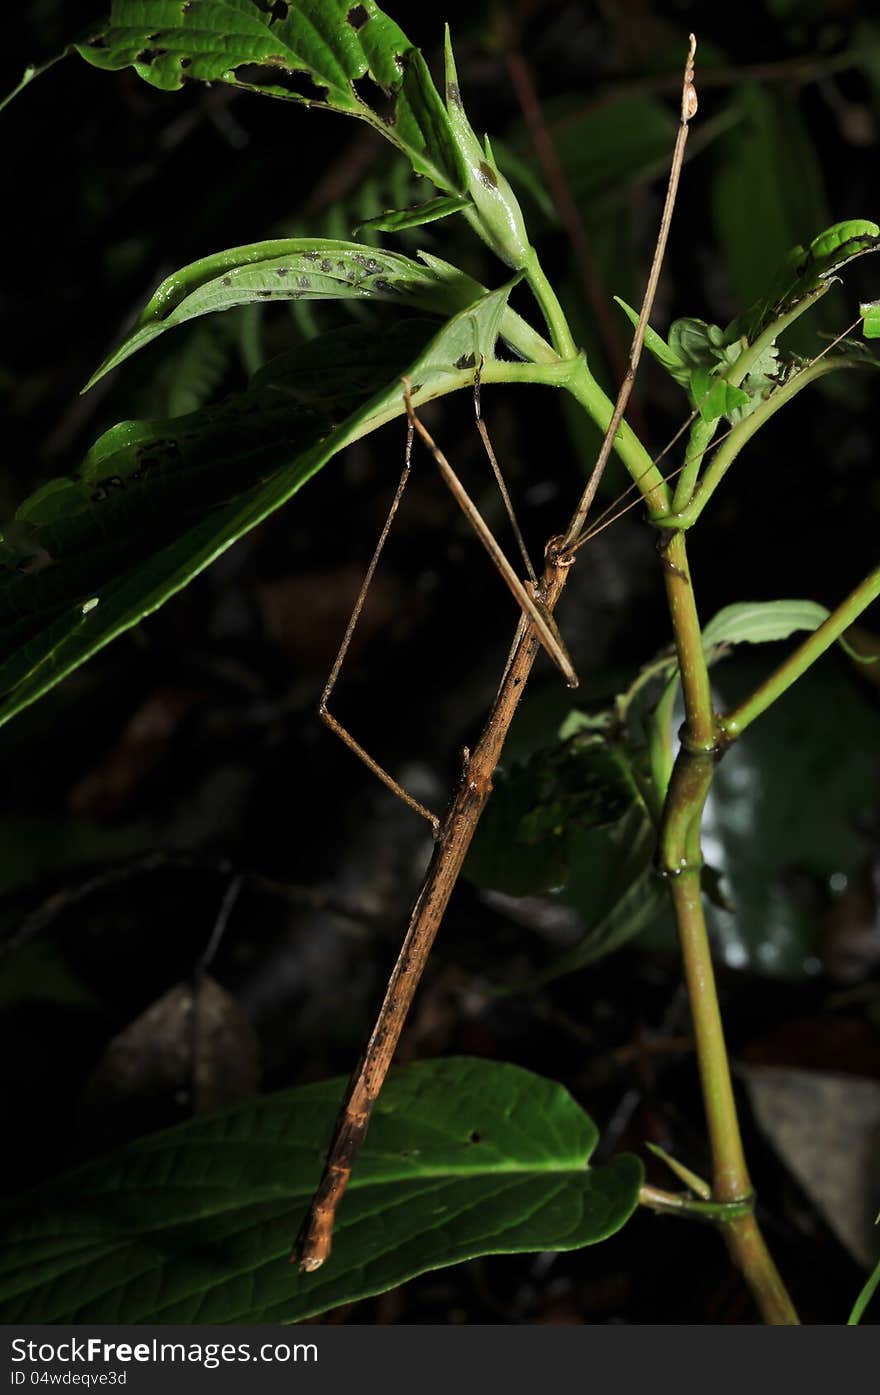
463	1158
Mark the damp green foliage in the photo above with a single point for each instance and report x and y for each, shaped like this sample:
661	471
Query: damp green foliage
346	57
713	397
193	374
156	502
577	818
698	357
731	373
194	1225
291	269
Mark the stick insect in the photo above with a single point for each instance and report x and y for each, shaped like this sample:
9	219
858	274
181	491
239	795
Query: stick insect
536	629
536	598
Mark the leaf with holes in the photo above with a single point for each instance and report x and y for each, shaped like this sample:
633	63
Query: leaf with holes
156	502
463	1158
525	840
344	56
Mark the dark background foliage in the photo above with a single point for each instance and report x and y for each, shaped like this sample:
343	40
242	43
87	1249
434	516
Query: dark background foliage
189	752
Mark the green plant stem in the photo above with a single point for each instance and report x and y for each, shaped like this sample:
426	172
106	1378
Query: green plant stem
660	752
553	374
548	300
748	1250
680	1204
739	371
627	446
806	654
700	721
698	443
34	70
680	860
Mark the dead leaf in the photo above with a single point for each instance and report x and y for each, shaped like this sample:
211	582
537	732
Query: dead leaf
184	1055
826	1129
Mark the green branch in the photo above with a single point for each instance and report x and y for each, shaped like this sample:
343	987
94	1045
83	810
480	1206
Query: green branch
551	309
813	647
627	446
680	861
680	1204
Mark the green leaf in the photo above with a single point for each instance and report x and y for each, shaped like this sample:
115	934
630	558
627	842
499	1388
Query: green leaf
695	343
345	57
525	839
291	269
657	345
629	904
571	820
713	397
870	313
194	1225
157	502
196	372
762	622
842	243
697	358
398	219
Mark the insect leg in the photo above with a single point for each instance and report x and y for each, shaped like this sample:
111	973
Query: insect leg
525	594
323	712
499	478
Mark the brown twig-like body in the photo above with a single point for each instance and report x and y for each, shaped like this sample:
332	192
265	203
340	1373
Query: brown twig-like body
457	830
314	1241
